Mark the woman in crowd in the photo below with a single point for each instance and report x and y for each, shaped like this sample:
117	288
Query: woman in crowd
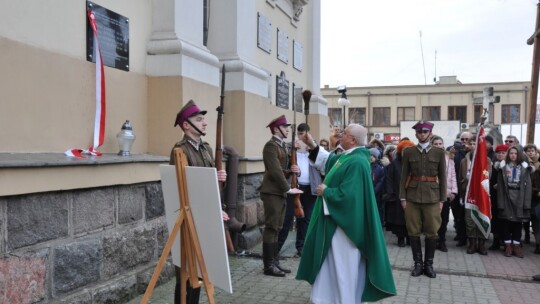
496	229
395	217
451	192
532	153
514	191
377	177
388	155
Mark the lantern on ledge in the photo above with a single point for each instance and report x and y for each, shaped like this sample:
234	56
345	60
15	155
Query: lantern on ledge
125	139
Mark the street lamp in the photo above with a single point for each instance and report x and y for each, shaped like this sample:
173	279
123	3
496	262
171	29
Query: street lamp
343	101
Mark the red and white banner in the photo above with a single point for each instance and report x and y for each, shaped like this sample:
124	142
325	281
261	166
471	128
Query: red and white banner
99	122
477	195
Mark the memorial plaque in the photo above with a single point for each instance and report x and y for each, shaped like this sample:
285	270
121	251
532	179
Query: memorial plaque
282	46
264	33
297	55
282	91
298	99
113	35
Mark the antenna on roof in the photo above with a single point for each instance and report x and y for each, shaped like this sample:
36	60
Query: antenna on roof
435	77
423	64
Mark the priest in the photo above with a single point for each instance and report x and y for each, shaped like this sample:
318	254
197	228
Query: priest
344	256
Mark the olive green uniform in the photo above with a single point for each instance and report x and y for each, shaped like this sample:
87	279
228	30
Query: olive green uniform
274	187
423	186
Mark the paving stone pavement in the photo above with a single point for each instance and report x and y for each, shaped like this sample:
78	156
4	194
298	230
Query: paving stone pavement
461	278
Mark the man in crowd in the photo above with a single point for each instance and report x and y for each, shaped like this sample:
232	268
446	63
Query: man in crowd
199	154
307	182
274	190
457	205
422	193
345	255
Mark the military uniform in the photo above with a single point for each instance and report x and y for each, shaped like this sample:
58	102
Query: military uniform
273	191
423	187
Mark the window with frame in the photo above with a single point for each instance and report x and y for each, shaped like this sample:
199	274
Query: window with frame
381	117
357	115
457	113
335	116
478	111
405	113
431	113
510	113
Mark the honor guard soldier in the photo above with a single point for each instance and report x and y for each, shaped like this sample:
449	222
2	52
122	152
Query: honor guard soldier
274	190
422	194
199	154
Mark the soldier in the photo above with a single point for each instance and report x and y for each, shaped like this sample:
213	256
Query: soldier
422	194
274	190
199	154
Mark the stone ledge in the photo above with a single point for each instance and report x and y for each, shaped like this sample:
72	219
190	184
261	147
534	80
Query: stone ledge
32	160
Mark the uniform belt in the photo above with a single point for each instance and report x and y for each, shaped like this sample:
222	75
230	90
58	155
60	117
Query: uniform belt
424	178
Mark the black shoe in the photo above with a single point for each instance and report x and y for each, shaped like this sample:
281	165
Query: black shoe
442	246
429	272
401	241
281	268
417	270
456	238
536	277
461	243
537	249
495	245
273	271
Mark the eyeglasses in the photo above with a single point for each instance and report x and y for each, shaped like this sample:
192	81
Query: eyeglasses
509	141
422	131
465	139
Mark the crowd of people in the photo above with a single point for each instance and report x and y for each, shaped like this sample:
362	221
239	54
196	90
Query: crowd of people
350	190
514	188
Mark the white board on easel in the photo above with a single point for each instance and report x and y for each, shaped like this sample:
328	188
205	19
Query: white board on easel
205	206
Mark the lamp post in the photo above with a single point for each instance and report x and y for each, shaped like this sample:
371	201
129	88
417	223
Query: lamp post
343	101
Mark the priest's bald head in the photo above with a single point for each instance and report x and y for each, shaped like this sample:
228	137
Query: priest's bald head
354	136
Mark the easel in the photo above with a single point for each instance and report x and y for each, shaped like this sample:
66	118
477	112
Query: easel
190	250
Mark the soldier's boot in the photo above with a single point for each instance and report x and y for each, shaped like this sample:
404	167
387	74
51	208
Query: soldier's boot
472	246
276	260
482	246
192	294
416	248
268	261
430	254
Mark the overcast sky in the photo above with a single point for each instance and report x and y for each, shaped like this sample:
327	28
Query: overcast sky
377	42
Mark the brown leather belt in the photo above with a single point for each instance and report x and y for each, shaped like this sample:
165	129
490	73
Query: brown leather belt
424	178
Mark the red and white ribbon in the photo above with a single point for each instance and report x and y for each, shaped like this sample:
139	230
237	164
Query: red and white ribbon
99	122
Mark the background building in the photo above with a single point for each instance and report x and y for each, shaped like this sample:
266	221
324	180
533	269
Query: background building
382	109
86	230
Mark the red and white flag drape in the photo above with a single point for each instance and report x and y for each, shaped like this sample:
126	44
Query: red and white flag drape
99	122
477	195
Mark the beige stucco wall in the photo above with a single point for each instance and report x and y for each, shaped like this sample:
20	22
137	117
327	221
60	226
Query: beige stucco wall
48	101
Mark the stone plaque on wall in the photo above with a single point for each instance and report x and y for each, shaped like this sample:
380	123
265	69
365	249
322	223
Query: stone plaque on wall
264	33
297	97
113	36
282	46
297	55
282	91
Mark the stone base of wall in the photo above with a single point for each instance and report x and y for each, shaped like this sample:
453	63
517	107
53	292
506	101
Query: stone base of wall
96	245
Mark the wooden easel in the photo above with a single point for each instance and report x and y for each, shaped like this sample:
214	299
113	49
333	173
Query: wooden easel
190	251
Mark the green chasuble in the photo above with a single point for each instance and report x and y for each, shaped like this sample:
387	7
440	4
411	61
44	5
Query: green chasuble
350	199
